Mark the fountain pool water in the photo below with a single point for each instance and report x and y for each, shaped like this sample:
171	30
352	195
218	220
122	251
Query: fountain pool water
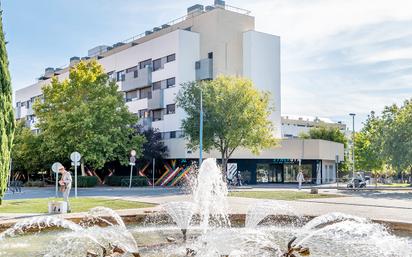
210	233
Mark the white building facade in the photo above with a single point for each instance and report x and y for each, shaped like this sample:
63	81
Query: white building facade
150	68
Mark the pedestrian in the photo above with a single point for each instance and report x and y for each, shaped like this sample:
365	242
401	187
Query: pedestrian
65	185
300	178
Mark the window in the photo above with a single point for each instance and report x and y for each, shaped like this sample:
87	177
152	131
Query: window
121	75
144	113
112	75
157	64
146	92
170	82
210	55
145	63
23	104
170	108
132	69
18	104
131	95
197	65
157	85
171	58
172	134
157	115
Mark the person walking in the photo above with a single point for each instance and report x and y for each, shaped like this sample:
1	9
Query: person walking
300	178
66	184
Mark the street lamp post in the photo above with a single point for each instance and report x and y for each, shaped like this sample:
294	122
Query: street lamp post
201	130
132	163
353	143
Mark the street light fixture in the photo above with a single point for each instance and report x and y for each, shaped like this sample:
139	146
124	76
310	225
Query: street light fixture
353	143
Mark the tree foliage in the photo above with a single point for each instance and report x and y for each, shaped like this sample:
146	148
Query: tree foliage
236	115
330	134
384	144
86	113
153	147
6	114
326	133
27	153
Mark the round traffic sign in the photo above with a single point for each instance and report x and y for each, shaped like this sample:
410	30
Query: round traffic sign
132	159
133	153
56	166
75	157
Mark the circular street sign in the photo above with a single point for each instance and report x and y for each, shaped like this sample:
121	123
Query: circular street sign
75	157
132	159
133	153
56	166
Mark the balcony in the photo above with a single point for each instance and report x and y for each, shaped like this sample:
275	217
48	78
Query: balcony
146	123
143	79
204	69
30	110
157	100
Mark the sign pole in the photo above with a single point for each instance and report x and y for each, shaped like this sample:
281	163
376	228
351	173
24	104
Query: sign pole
57	185
132	163
153	175
75	157
55	168
75	179
131	174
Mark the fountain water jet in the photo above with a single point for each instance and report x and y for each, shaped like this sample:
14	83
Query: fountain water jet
210	194
181	213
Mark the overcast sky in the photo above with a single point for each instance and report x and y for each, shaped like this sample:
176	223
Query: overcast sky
338	56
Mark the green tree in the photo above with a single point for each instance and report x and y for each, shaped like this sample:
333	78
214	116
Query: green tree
369	142
6	114
397	146
88	114
236	115
27	152
326	133
330	134
153	147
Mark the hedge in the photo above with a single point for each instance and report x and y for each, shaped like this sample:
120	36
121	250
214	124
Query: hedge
35	183
124	181
86	181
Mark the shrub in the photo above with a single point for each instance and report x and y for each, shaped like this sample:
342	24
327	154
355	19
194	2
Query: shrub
35	183
86	181
114	180
124	181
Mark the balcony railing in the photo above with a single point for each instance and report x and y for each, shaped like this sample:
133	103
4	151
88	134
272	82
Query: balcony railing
143	79
157	101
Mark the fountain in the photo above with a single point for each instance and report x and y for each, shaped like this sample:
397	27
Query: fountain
103	233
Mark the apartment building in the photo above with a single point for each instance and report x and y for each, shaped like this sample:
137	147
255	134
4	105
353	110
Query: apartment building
208	41
293	126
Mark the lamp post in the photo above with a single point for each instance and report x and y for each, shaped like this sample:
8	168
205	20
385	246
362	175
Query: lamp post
201	129
132	163
353	143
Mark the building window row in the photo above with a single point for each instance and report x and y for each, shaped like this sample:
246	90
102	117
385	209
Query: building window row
159	63
173	134
162	84
141	93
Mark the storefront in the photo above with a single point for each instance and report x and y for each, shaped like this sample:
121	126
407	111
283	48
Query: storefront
276	171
